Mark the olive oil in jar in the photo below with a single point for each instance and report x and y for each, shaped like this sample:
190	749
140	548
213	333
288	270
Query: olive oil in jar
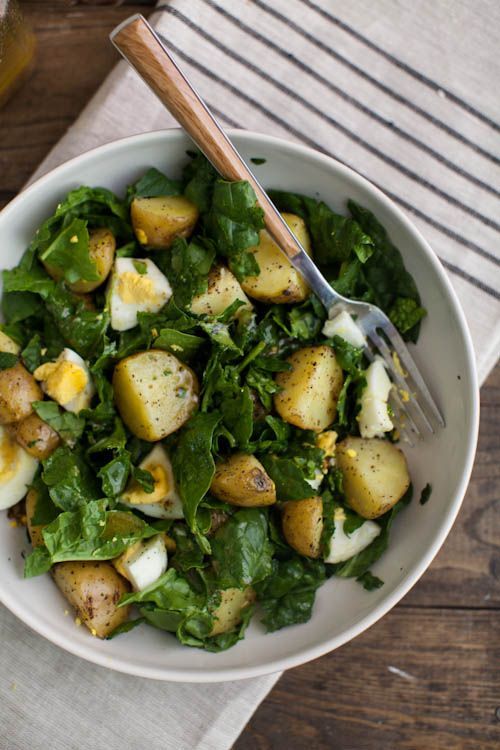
17	49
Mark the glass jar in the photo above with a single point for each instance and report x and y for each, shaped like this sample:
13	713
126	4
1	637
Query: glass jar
17	48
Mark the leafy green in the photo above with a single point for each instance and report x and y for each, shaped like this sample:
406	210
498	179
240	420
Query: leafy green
68	426
425	494
199	176
32	353
287	595
183	345
406	313
89	533
385	278
288	477
69	478
187	266
153	183
194	466
335	238
233	222
242	552
369	581
8	360
68	252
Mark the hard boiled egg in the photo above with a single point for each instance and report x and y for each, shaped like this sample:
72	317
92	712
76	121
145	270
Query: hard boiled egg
373	417
344	326
144	562
67	381
342	546
17	470
137	285
164	501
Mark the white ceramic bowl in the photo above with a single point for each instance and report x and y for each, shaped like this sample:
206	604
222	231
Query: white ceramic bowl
444	353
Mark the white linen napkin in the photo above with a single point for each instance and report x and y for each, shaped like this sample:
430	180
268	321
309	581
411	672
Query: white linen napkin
406	94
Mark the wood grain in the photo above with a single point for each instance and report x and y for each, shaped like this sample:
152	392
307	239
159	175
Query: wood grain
446	632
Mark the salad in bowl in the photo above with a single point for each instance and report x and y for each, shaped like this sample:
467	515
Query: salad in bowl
189	441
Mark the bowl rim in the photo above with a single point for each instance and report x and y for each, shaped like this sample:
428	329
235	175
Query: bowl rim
303	655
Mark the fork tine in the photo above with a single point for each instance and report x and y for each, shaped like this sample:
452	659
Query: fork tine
423	397
401	383
409	365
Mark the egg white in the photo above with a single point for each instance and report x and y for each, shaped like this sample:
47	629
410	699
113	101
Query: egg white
342	546
17	470
123	313
169	504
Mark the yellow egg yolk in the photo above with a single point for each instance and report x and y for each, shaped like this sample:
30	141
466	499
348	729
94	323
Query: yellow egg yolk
136	495
135	289
63	380
9	457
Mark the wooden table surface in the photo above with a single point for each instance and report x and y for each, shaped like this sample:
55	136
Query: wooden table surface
444	637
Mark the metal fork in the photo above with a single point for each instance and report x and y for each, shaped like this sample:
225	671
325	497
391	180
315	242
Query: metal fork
143	49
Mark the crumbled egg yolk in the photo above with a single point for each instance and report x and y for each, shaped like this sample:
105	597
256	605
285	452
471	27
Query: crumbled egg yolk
405	396
398	366
78	622
9	458
73	239
63	380
134	288
141	236
351	453
326	442
93	631
136	495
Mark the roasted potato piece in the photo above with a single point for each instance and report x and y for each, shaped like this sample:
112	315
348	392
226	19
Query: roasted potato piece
302	523
278	281
242	480
158	221
8	345
228	613
36	437
223	289
93	589
18	390
155	393
102	247
375	474
35	532
310	390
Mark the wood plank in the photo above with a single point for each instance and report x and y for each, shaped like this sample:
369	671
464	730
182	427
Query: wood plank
447	694
69	40
466	572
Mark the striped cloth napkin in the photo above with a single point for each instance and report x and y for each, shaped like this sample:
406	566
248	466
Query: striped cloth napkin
403	92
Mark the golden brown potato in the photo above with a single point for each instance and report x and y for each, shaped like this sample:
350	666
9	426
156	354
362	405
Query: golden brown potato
93	589
155	393
102	247
158	221
278	281
228	613
303	524
375	474
223	289
310	390
36	437
8	345
242	480
18	390
35	532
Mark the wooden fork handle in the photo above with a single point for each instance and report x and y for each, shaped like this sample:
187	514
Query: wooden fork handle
141	47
